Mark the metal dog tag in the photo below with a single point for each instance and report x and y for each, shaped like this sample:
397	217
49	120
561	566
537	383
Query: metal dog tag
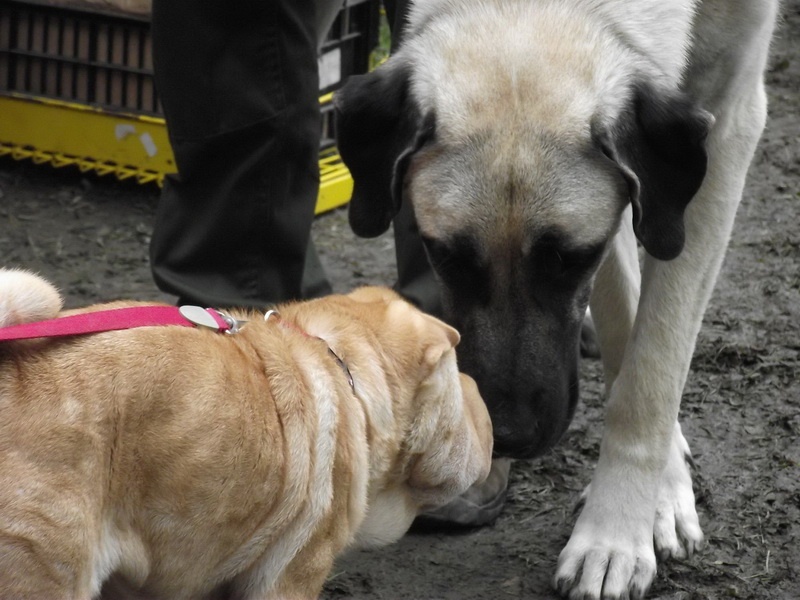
234	325
199	316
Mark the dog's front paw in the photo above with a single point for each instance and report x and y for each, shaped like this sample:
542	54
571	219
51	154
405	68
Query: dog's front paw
605	562
610	554
677	532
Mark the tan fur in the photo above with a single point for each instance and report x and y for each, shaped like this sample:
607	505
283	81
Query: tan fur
169	462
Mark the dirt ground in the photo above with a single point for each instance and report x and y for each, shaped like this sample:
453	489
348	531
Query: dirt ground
740	413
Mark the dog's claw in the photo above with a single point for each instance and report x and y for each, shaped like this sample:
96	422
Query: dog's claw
578	506
563	584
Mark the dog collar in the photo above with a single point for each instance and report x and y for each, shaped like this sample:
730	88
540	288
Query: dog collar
116	319
343	365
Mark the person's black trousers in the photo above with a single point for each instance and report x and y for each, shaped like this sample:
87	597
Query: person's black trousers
239	88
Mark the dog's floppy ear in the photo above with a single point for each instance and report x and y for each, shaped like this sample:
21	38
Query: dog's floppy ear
458	449
659	144
378	129
448	339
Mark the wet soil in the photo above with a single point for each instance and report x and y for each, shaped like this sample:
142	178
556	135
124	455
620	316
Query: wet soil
740	412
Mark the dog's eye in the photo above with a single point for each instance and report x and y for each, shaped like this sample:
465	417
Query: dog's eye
555	260
452	256
457	262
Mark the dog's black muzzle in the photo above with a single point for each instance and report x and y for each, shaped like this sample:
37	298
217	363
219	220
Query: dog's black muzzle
527	373
528	426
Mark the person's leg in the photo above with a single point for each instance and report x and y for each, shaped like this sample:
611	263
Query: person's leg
327	11
239	86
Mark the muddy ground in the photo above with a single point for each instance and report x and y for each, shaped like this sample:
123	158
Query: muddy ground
740	413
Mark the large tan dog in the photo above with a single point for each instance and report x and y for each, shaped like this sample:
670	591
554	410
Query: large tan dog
172	462
537	143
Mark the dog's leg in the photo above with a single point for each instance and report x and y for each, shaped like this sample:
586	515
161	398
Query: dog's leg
677	532
677	529
600	545
611	551
615	297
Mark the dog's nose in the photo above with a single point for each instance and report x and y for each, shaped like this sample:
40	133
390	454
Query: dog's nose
516	443
528	425
528	378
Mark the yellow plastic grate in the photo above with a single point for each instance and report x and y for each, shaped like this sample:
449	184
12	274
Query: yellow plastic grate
127	146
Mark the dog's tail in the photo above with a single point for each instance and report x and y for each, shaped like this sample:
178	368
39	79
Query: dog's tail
25	297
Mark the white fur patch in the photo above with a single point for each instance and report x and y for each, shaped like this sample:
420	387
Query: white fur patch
26	297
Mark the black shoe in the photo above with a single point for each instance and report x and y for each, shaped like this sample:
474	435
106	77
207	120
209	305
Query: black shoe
479	505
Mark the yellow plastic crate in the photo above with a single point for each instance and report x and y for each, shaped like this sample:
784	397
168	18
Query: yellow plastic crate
76	89
125	145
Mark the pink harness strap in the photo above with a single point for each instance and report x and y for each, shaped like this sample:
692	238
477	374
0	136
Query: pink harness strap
104	320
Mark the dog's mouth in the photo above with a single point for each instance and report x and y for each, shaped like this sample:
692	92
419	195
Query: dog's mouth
524	454
531	436
519	452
